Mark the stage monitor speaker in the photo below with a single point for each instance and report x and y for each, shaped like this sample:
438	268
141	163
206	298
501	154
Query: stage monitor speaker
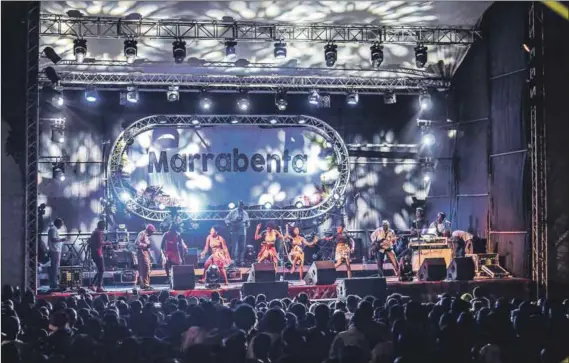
433	269
272	290
183	277
262	272
191	258
461	268
362	286
321	273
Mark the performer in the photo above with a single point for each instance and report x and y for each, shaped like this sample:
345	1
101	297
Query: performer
96	243
143	256
420	225
344	247
268	250
296	255
441	225
238	221
132	248
55	244
383	240
462	243
219	253
173	248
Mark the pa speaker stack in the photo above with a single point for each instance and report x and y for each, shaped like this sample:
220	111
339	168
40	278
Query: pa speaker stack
432	269
362	286
321	273
261	280
461	268
183	277
262	272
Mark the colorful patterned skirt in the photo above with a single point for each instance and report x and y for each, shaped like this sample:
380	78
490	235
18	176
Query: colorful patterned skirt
342	252
271	251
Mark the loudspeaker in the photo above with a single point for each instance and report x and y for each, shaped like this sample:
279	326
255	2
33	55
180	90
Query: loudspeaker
272	290
358	250
191	258
262	272
321	273
461	268
362	286
433	269
183	277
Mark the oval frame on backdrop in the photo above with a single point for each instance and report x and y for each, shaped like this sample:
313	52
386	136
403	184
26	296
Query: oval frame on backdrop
335	198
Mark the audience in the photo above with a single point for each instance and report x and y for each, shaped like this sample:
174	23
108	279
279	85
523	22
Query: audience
161	328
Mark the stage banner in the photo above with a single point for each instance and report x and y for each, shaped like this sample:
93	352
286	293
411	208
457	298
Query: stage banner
214	166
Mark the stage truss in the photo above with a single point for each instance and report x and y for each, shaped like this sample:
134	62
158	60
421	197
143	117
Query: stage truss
134	204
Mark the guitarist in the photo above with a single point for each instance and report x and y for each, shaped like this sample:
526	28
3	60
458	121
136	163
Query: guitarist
383	240
238	221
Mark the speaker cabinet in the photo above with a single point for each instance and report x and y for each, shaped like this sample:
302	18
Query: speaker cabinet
362	286
272	290
262	272
433	269
321	273
461	268
183	277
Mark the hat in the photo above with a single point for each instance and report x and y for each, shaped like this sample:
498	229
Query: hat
150	228
466	297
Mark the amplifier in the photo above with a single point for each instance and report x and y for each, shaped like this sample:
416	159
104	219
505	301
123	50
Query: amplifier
494	271
70	277
420	255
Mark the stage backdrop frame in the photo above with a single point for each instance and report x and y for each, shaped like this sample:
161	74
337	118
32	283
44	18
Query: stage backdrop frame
334	199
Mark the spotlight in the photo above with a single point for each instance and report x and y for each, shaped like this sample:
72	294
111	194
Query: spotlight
161	206
425	101
231	205
205	102
301	121
51	74
132	94
58	100
389	98
299	204
195	122
125	196
234	121
179	51
130	50
57	135
80	49
429	139
273	121
243	102
58	171
314	98
173	94
267	205
427	176
352	98
330	54
280	100
212	277
91	94
230	48
336	196
420	56
376	55
280	50
51	55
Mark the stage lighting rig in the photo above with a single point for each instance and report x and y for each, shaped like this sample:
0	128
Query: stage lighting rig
230	48
299	204
352	98
51	55
280	100
427	169
314	98
420	56
212	276
205	101
179	51
425	100
58	170
330	54
80	49
132	94
428	138
389	98
58	130
173	94
52	75
53	96
243	102
231	205
91	94
267	205
280	50
376	55
130	50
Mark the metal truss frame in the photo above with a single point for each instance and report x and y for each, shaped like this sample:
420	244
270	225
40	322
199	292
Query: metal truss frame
117	185
255	83
32	138
121	28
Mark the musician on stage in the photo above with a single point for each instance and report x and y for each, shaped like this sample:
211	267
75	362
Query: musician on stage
296	255
219	253
143	256
173	248
96	243
461	243
441	225
55	244
344	248
383	240
420	224
268	250
238	221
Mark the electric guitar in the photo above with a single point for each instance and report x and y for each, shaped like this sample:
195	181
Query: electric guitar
381	245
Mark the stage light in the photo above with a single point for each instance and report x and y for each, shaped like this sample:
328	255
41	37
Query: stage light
161	206
280	50
429	139
58	171
173	94
389	98
299	204
80	49
231	205
427	176
330	54
267	205
243	102
51	74
195	121
91	94
352	98
526	48
376	55
130	50
301	121
234	121
58	134
132	94
273	121
336	196
420	56
314	98
179	51
425	101
212	276
205	102
280	100
230	48
51	55
125	196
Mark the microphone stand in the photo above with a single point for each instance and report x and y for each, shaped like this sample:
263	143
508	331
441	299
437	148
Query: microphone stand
283	247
